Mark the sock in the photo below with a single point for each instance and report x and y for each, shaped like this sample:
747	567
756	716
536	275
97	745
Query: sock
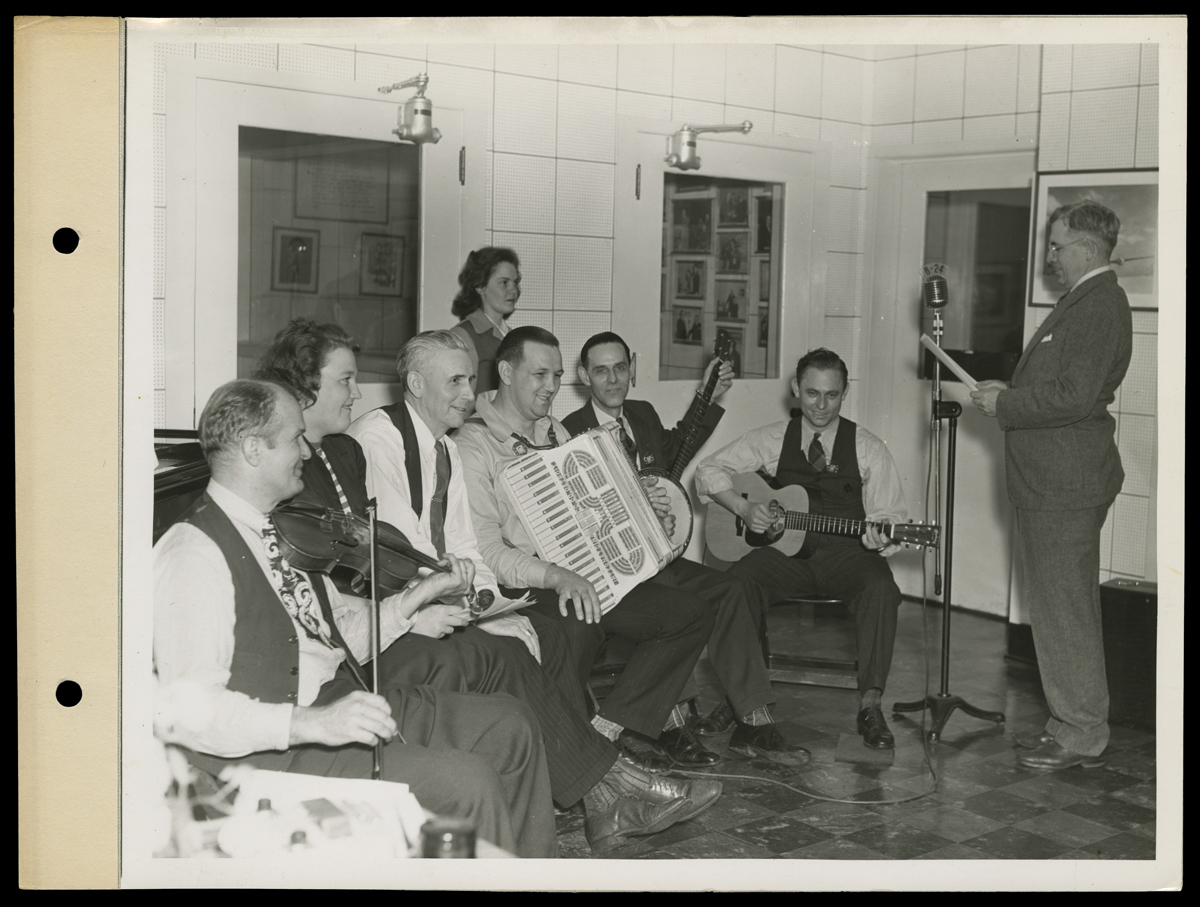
677	718
608	728
758	717
872	698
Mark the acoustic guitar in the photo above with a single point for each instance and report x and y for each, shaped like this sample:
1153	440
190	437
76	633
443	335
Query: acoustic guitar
680	501
798	526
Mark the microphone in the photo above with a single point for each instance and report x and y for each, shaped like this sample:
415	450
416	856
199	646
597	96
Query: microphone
934	289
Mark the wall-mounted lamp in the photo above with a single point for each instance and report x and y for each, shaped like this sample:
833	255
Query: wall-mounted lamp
681	147
414	121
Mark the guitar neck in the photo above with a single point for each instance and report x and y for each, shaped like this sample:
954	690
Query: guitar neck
831	525
687	448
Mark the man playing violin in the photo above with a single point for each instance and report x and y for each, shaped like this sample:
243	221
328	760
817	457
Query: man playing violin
256	670
734	648
857	479
428	641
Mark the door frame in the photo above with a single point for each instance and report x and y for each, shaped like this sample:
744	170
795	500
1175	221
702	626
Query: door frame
201	353
895	403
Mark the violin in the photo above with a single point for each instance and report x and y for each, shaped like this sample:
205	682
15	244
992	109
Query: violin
324	540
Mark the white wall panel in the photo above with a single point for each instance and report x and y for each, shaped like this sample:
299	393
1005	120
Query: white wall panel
1054	133
536	251
1103	129
750	75
584	198
522	193
264	56
587	122
798	81
645	67
1136	442
939	86
588	64
538	60
699	72
842	88
799	127
1056	68
479	56
583	273
637	104
1104	66
894	88
525	115
1146	154
335	62
991	80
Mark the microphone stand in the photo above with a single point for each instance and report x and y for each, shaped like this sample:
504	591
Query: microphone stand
942	704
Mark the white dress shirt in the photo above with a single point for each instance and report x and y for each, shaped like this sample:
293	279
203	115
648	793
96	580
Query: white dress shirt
194	617
603	418
883	495
387	482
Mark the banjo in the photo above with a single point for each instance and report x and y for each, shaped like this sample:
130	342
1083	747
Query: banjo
680	500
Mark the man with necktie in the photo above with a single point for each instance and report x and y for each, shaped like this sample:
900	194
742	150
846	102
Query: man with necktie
856	478
414	470
605	368
1064	471
248	648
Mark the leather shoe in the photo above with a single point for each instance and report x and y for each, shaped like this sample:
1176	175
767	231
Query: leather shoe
682	748
628	817
874	730
718	721
632	782
648	761
766	741
1031	740
1053	755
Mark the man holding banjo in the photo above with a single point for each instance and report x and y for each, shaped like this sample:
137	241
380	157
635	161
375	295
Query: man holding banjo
734	648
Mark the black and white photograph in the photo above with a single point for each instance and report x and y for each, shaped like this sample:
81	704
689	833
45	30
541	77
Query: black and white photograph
297	258
731	300
691	279
733	253
734	204
763	206
692	225
333	672
1133	197
688	325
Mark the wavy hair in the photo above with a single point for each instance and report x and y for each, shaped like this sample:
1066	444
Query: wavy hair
299	352
477	271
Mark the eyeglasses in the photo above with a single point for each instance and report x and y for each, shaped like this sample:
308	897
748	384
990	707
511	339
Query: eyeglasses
1056	248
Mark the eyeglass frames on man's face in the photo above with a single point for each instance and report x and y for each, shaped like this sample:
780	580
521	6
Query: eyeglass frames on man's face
1055	248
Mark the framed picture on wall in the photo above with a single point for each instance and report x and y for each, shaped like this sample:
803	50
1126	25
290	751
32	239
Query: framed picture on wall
764	326
1133	196
689	325
734	206
732	254
762	220
691	224
691	279
731	301
381	265
764	280
295	256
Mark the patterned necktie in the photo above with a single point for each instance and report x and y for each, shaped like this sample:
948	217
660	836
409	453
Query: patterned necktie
437	505
816	454
336	483
628	443
296	592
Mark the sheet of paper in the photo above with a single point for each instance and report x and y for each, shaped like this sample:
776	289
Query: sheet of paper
963	375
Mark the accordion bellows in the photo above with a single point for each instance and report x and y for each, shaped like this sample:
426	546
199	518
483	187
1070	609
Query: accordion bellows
585	510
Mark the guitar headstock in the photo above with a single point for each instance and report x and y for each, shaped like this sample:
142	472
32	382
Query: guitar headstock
915	535
724	347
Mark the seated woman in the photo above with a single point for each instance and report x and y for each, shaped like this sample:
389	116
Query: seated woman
489	287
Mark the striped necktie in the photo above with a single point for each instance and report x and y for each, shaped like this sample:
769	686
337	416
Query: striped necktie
333	475
628	443
437	504
816	453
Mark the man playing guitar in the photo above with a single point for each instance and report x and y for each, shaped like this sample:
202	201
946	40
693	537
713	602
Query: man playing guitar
853	474
733	646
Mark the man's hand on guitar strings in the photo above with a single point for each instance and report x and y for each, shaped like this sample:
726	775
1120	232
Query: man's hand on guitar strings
876	541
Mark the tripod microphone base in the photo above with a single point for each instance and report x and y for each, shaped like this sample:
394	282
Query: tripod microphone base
942	706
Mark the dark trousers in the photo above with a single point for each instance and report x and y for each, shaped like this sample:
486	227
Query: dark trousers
839	568
464	755
471	660
669	628
1060	559
734	647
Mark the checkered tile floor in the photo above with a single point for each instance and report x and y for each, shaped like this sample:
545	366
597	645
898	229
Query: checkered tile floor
986	806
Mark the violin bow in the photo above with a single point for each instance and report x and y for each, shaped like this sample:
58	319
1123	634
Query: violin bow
377	767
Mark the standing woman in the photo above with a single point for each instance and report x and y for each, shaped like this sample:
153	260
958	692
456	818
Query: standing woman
489	286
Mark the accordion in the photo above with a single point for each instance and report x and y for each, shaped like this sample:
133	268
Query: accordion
585	510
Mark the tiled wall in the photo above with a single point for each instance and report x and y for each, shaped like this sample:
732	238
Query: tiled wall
551	151
1090	107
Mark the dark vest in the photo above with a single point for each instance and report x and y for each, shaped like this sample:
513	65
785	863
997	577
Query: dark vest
838	490
486	345
266	649
398	413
